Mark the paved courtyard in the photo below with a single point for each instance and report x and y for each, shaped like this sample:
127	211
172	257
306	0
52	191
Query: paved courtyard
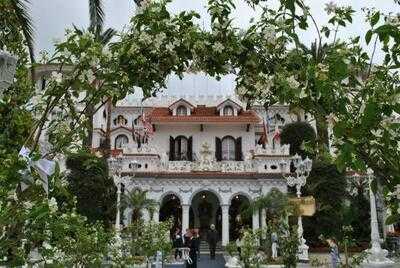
205	262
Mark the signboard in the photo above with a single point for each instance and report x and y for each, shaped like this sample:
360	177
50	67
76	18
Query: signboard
305	204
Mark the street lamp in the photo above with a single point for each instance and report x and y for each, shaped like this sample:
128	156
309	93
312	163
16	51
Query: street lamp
377	255
298	180
8	64
115	166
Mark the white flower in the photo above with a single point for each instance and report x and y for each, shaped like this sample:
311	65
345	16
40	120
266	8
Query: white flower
393	19
398	210
56	76
377	133
218	47
170	47
28	205
53	205
38	182
331	119
292	82
90	76
303	93
46	245
270	35
397	191
145	38
177	42
330	7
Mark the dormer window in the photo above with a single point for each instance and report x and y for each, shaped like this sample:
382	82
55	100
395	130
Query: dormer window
228	110
181	110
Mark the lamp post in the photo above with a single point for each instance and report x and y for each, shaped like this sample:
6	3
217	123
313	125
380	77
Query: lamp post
115	166
298	180
377	255
8	64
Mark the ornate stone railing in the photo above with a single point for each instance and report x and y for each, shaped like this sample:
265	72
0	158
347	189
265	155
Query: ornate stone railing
268	160
269	150
143	149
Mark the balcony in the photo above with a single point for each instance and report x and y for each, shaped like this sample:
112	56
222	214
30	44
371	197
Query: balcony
270	150
149	160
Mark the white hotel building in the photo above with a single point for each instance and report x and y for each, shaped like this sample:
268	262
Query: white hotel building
202	161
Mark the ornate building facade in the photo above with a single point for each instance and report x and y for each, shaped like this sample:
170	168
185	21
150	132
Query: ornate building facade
200	158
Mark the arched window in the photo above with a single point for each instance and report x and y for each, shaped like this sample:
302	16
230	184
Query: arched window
121	141
228	110
181	148
228	148
181	110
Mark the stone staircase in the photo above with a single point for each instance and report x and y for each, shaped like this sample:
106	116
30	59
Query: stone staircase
204	249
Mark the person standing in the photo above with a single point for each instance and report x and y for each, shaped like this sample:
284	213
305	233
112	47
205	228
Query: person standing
334	252
177	242
274	245
186	238
190	243
212	238
196	241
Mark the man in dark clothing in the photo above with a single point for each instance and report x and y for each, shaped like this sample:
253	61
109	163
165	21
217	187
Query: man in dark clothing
212	238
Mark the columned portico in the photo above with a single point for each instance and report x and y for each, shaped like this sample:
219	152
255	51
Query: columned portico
225	224
211	200
185	217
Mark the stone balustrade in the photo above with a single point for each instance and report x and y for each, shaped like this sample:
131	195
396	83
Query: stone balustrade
270	150
264	160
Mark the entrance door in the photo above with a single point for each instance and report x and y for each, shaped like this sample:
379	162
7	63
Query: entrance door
205	210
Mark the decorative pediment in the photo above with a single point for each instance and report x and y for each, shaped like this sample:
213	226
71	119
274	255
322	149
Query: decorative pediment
229	108
181	107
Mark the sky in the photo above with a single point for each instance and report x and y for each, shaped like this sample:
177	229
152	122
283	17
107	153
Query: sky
52	17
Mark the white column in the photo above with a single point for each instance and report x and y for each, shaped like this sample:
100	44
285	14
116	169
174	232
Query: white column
256	220
263	221
185	217
145	215
225	224
156	214
118	216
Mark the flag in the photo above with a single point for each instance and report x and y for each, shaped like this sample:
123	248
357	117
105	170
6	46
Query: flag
147	126
277	134
264	137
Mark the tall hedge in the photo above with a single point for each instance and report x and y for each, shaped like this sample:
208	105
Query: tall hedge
94	189
295	134
328	186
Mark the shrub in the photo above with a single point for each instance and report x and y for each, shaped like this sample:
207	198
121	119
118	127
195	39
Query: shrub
295	134
94	189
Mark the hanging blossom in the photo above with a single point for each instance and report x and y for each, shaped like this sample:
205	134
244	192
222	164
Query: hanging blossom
218	47
331	119
292	82
56	76
331	7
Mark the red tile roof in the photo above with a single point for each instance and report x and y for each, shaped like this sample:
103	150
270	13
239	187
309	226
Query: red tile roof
202	114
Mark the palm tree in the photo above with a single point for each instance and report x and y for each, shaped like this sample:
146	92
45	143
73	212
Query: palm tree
15	18
137	200
96	25
275	203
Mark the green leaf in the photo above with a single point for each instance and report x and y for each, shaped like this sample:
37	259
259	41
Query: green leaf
392	219
374	19
368	36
